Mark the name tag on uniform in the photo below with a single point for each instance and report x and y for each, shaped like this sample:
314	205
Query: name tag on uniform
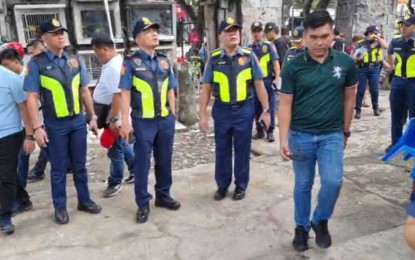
222	62
397	49
49	67
140	69
412	49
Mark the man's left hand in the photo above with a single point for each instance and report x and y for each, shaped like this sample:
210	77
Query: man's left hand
93	127
266	118
28	146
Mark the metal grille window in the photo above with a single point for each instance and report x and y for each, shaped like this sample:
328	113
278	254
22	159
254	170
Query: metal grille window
93	66
31	24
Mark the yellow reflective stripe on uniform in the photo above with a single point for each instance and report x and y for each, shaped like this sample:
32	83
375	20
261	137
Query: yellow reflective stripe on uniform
222	80
366	58
248	51
147	99
263	62
410	67
398	67
76	81
242	84
58	95
216	52
163	97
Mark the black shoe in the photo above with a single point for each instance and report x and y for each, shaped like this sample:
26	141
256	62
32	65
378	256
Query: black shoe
61	216
6	225
357	115
112	190
388	148
376	112
323	238
300	242
270	137
167	203
130	179
220	194
21	207
259	134
238	194
90	207
32	177
142	214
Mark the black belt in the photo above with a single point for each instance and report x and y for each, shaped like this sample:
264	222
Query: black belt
234	104
369	65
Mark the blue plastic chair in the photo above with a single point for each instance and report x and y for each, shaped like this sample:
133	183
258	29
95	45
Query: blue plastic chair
405	144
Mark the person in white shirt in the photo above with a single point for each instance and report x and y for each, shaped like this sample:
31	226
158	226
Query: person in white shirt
106	93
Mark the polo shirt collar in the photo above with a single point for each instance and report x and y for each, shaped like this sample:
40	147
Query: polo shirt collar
238	51
307	56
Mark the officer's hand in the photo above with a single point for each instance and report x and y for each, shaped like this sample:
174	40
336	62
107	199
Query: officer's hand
203	124
41	138
93	126
125	131
285	151
266	118
28	146
345	141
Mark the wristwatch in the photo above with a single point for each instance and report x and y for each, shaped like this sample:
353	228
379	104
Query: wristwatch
94	118
114	120
265	110
347	134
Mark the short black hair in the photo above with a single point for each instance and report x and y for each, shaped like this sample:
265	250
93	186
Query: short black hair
285	31
34	43
336	32
9	54
317	19
102	40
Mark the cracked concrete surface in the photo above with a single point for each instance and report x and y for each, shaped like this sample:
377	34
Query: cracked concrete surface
367	223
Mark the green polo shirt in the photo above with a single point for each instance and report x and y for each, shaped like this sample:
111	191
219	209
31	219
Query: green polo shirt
318	91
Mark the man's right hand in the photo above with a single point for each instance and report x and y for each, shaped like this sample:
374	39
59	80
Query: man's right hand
285	151
41	138
125	131
203	124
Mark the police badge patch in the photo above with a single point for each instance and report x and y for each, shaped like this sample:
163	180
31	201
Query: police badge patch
164	64
55	22
123	69
73	63
264	48
242	61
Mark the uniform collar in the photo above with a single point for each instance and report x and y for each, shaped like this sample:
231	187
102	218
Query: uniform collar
258	44
238	51
145	56
52	55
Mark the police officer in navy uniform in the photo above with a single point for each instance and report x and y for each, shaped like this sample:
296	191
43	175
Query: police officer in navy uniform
297	44
401	55
369	67
147	85
231	73
268	60
60	80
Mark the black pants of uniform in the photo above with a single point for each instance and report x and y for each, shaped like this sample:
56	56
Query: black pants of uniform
10	187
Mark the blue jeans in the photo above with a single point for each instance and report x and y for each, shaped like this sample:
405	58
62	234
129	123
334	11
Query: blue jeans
118	153
402	100
371	76
327	151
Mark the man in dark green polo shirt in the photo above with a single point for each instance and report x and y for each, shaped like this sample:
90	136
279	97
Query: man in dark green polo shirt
315	112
